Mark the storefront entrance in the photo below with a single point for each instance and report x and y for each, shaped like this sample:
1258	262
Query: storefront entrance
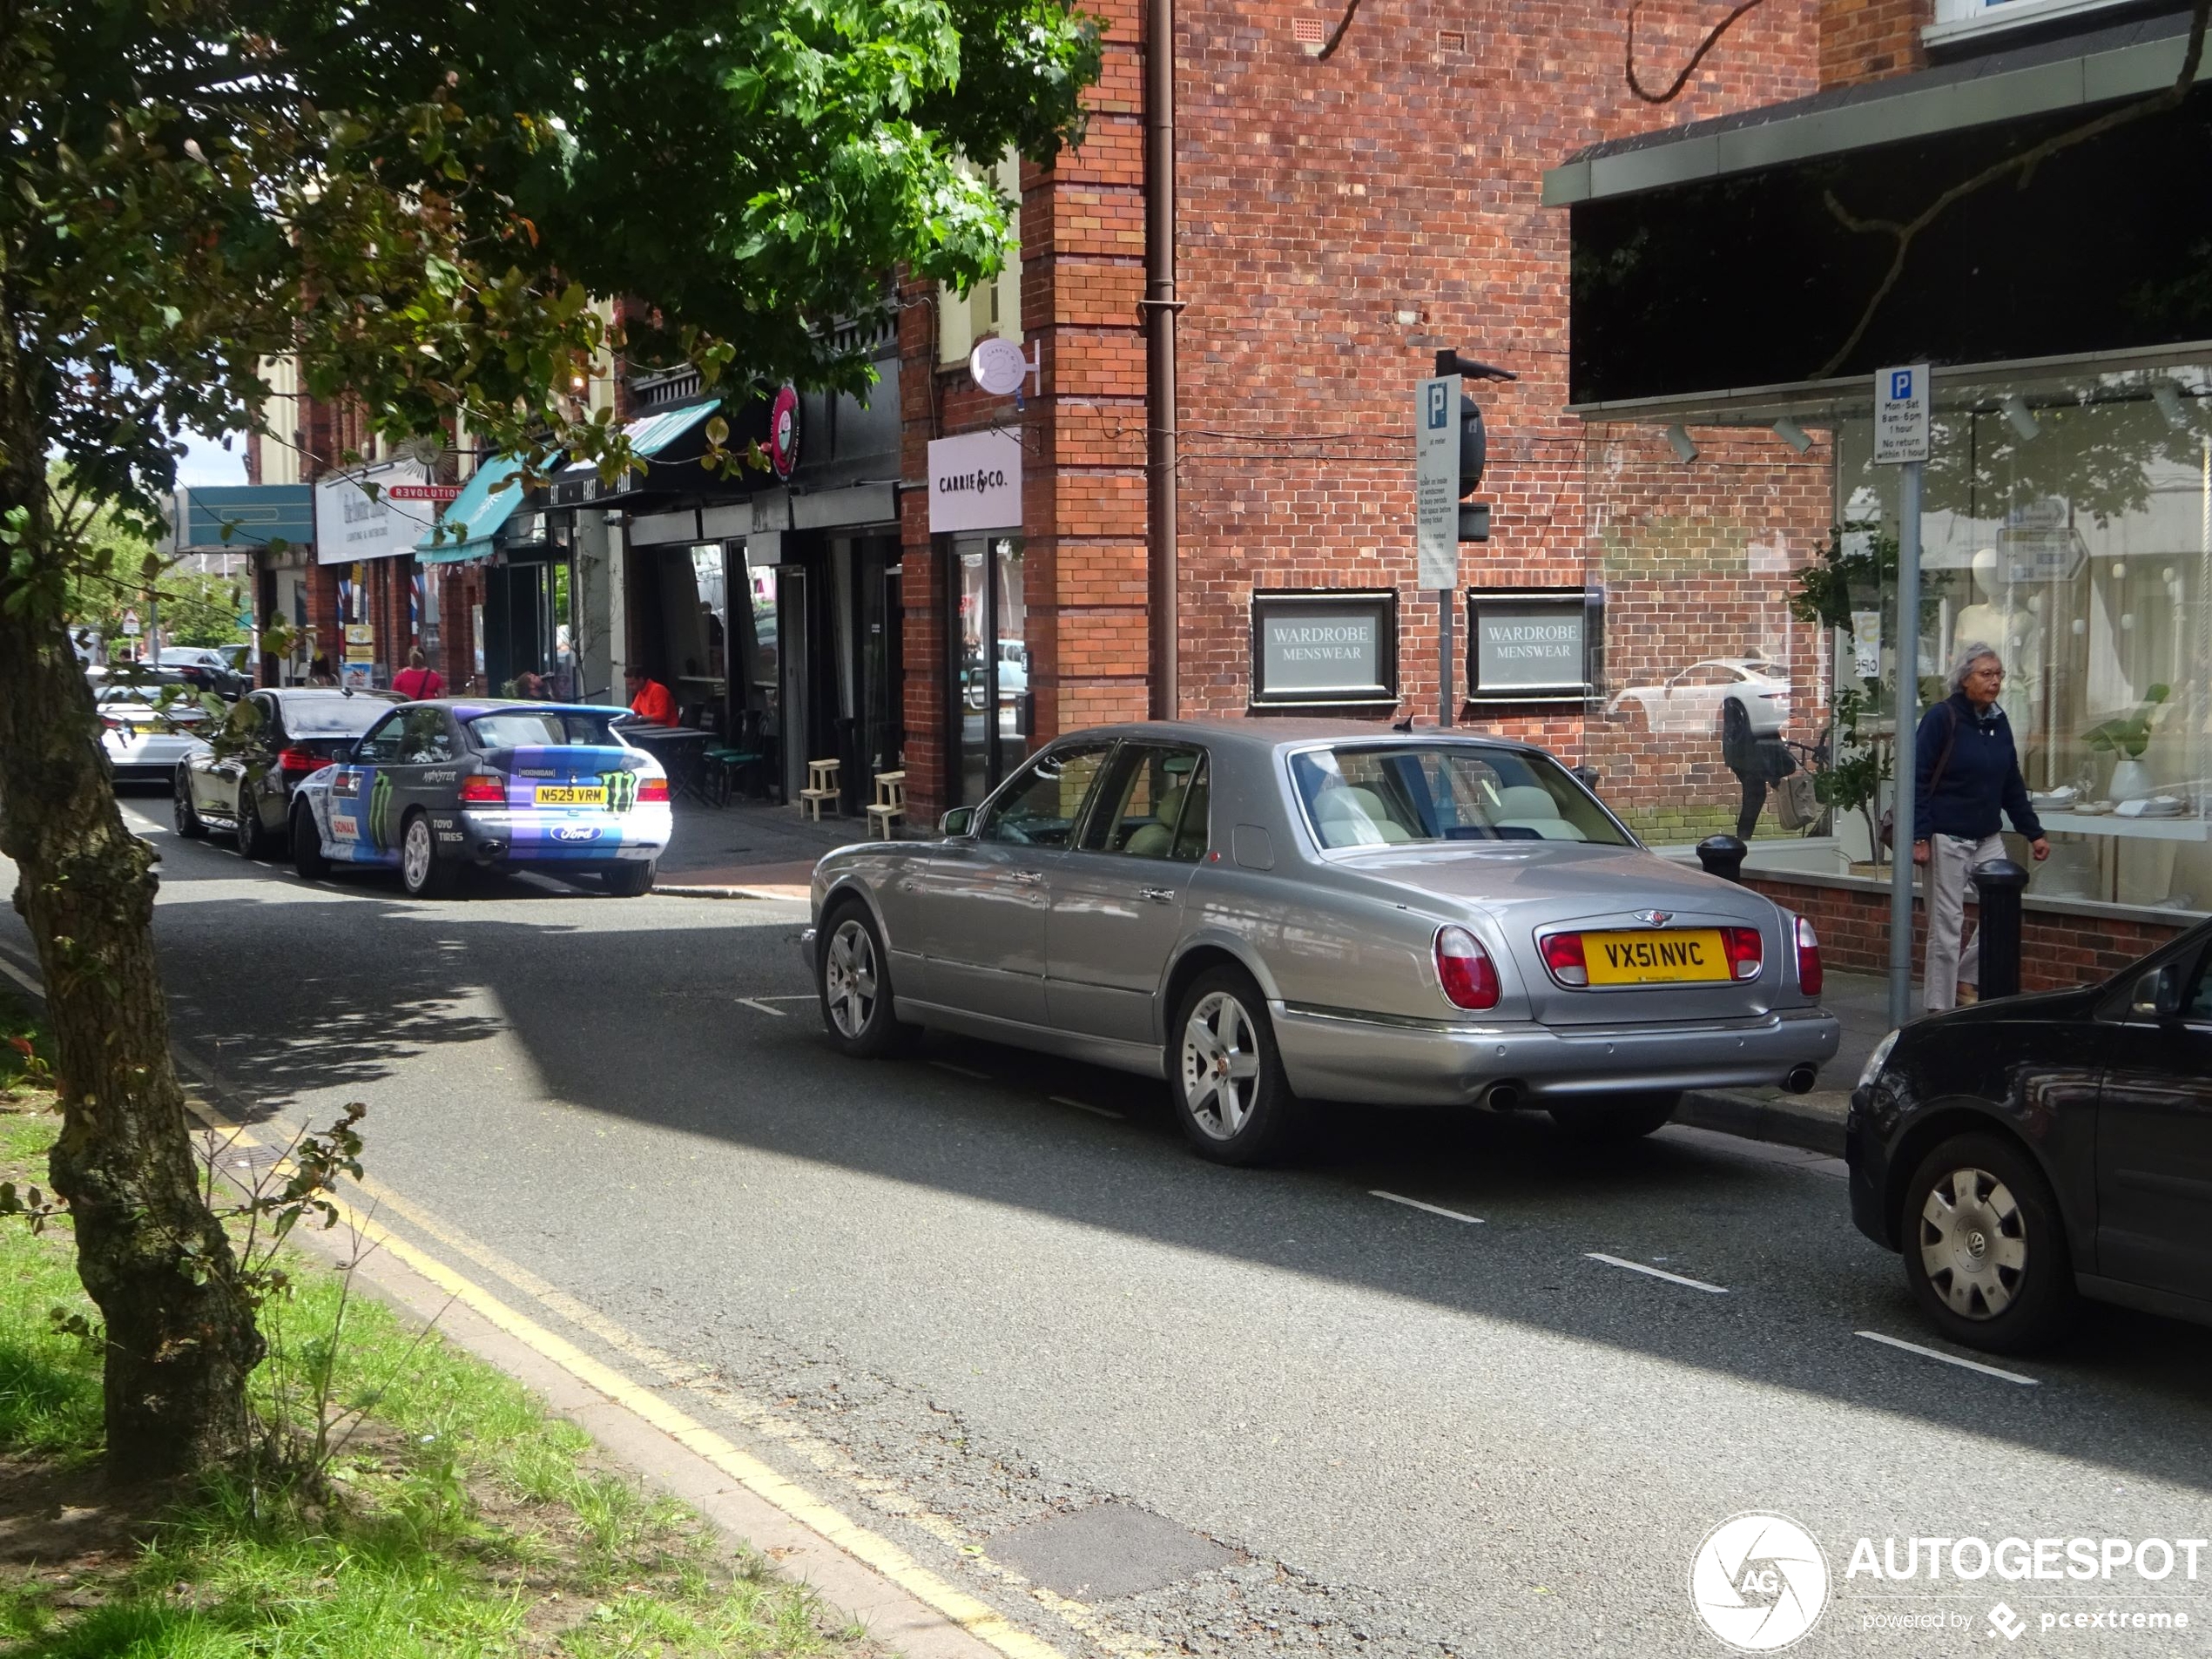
992	722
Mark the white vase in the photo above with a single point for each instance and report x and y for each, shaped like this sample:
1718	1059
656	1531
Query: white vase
2131	780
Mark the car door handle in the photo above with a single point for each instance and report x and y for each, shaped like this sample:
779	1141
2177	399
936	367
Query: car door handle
1026	878
1158	895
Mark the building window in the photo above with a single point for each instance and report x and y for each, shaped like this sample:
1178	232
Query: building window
993	307
1967	19
1325	648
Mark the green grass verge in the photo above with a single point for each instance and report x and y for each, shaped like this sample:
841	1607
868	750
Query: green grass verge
458	1521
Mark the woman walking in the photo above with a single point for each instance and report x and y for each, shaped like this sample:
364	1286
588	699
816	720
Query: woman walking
1965	771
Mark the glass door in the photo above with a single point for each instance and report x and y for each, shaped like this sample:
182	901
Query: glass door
992	708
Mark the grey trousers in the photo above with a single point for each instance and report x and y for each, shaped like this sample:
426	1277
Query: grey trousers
1950	859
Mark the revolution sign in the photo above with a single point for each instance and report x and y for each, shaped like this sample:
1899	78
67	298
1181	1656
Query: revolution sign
975	483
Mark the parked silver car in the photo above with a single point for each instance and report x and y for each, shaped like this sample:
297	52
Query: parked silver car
1263	912
146	739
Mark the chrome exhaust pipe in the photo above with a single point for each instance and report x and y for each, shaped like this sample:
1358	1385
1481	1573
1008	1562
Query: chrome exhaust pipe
1800	1080
1502	1098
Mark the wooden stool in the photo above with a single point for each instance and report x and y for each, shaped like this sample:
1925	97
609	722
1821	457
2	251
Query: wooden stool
821	786
890	804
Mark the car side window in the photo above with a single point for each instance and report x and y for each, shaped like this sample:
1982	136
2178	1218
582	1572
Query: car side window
1047	800
1142	801
2198	1008
381	747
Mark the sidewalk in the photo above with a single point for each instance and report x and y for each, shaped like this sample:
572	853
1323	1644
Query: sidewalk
750	845
1861	1002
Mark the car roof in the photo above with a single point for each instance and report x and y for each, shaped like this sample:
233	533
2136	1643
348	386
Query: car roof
469	707
1273	733
315	693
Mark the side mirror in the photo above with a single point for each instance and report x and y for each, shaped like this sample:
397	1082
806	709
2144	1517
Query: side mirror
2158	994
959	821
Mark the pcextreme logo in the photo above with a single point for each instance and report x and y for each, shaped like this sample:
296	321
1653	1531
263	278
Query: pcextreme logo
1758	1582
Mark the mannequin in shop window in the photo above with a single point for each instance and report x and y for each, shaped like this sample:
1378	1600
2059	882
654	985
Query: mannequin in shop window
2015	629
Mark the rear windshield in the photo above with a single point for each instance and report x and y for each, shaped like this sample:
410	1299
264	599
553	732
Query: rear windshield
334	717
547	729
1403	794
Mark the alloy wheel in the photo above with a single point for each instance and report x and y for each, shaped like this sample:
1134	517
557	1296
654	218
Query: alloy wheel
1220	1065
848	978
414	856
1973	1243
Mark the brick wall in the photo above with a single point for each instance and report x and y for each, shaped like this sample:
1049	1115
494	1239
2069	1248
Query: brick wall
2057	950
1868	40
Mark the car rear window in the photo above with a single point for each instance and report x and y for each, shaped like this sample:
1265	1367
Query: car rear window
1395	794
544	729
333	717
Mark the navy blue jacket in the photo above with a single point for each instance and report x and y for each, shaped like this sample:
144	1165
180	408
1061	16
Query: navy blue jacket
1982	774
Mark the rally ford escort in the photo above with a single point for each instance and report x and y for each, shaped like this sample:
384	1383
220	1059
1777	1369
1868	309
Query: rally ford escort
438	787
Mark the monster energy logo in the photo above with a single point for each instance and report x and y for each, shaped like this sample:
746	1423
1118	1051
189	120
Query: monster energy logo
622	790
380	811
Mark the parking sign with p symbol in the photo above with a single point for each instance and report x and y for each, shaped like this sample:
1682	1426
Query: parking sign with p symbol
1436	411
1901	383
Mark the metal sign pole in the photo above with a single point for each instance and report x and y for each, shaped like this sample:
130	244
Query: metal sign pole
1907	701
1444	656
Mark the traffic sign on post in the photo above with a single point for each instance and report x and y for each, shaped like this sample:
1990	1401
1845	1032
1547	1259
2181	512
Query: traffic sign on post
1901	440
1901	415
1436	481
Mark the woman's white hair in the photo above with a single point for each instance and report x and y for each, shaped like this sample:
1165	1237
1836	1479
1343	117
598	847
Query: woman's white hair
1963	663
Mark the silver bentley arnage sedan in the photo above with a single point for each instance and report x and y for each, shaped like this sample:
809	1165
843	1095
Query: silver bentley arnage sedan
1266	913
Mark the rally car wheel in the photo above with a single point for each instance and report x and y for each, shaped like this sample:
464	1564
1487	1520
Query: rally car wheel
183	813
422	872
307	846
632	881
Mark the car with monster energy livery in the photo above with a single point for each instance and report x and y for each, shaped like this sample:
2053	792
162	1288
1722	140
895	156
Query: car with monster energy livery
439	787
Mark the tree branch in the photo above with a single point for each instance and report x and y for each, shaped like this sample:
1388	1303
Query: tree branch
1328	50
1711	40
1906	231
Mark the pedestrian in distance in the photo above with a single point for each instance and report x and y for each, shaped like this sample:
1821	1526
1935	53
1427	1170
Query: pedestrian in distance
418	680
318	672
649	700
1965	771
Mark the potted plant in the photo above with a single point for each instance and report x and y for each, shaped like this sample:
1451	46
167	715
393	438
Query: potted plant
1852	782
2127	737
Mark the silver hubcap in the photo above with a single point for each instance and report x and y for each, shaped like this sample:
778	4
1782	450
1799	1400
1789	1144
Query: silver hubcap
848	979
1220	1065
414	854
1973	1243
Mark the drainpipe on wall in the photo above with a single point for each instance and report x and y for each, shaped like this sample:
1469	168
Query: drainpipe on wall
1158	308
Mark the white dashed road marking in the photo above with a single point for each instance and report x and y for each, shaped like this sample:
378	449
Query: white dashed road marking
759	1005
1432	1209
1950	1359
1082	1106
1656	1272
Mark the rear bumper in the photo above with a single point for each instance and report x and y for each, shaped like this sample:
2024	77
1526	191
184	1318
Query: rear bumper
496	836
1340	1056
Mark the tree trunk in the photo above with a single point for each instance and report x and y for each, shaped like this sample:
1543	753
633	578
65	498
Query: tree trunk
180	1338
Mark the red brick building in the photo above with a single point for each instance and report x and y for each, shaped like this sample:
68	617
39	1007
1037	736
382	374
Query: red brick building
1339	220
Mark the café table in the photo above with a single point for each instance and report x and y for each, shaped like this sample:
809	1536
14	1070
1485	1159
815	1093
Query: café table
680	748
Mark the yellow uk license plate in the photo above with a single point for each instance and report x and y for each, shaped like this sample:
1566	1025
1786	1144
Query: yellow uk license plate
1666	958
571	795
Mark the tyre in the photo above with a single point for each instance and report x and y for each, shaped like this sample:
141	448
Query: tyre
852	980
252	837
632	881
1984	1249
1225	1073
307	846
422	872
1622	1117
183	814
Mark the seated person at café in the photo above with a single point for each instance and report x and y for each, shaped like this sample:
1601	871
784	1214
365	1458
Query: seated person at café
649	700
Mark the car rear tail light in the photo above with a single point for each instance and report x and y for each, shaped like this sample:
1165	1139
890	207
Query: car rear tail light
1745	951
297	759
1563	956
484	789
1464	970
652	789
1810	977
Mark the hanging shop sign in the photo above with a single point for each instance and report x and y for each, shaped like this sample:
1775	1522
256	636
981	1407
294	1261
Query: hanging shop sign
784	433
1532	644
975	483
1324	647
358	517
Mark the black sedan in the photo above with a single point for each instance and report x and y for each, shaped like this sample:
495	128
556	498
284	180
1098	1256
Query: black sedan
244	785
2025	1152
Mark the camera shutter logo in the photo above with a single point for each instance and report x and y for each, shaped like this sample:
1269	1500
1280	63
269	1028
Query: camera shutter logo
1758	1582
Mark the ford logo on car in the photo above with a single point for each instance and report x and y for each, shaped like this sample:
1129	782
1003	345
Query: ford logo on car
575	832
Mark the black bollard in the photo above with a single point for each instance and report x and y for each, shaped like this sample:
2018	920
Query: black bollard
1999	884
1723	855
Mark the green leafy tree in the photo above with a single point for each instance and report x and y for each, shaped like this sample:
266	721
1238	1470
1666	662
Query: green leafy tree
414	201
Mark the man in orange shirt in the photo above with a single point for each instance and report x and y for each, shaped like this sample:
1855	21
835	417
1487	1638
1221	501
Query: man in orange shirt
649	700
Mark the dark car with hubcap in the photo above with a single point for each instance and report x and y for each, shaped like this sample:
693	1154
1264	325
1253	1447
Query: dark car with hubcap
2024	1153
